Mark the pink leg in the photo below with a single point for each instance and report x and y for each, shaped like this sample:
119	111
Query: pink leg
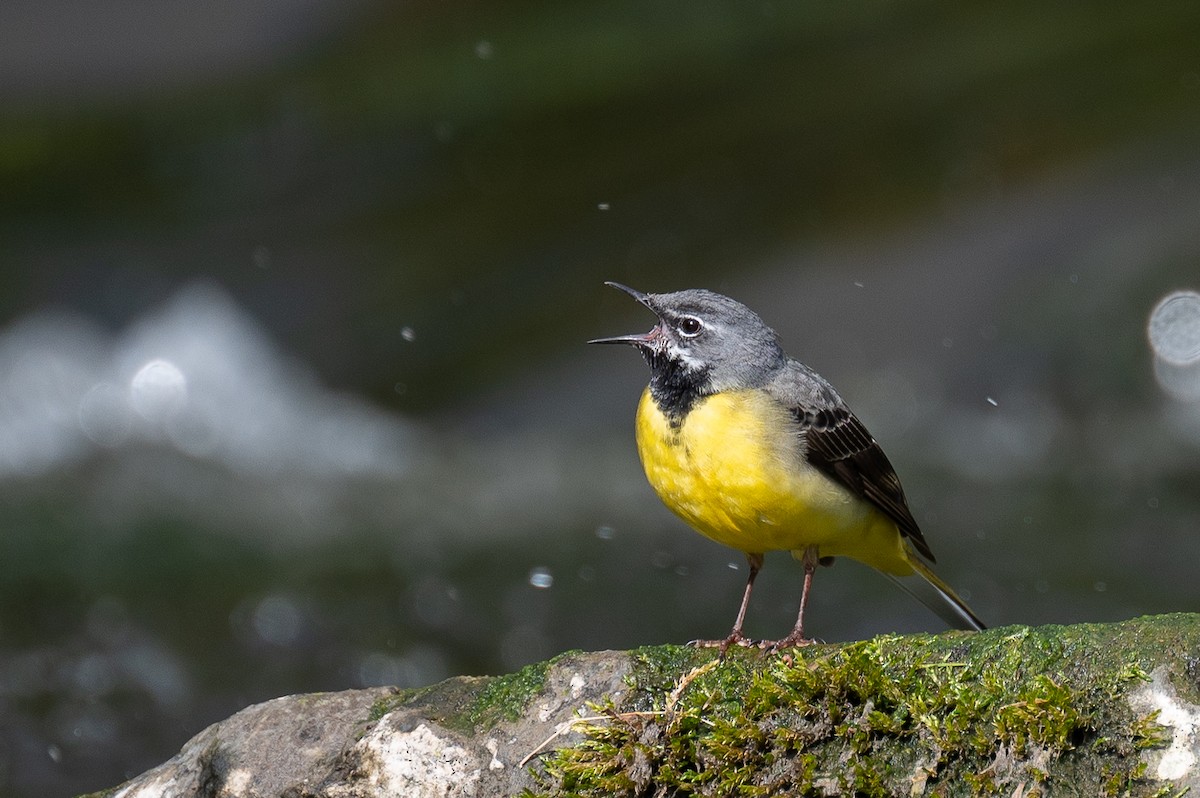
797	638
736	638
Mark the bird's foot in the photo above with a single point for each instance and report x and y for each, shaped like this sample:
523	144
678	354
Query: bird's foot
734	639
794	640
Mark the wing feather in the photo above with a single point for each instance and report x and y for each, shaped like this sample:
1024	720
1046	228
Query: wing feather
839	445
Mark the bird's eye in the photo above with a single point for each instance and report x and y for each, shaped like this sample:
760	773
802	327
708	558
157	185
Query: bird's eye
690	326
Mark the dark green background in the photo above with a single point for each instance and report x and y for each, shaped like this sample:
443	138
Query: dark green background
936	204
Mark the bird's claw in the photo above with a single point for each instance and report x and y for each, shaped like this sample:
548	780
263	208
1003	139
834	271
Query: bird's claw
734	639
793	640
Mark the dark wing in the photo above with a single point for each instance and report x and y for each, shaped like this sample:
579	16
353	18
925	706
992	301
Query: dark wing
839	445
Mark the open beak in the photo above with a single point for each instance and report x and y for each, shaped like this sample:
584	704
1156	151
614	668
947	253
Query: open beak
633	292
636	339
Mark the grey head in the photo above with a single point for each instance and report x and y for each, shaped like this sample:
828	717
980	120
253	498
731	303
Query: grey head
704	343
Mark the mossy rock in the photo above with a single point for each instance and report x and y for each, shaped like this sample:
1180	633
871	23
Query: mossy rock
1010	711
1096	709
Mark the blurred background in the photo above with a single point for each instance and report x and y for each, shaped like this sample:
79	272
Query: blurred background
293	391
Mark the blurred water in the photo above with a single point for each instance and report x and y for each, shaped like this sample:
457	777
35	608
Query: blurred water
189	414
196	376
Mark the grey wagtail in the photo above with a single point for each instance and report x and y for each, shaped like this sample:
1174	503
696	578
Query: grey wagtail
757	451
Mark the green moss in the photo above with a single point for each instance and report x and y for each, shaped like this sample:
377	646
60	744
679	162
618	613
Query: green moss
965	713
469	704
663	664
386	704
504	697
1147	732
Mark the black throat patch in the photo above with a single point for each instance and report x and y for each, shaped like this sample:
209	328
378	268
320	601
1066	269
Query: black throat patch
674	388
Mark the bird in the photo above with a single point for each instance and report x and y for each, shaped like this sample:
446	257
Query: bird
756	451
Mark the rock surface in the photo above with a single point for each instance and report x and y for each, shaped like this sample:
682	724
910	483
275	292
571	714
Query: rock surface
1124	697
387	742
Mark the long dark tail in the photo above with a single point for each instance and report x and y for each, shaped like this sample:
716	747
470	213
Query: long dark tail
938	596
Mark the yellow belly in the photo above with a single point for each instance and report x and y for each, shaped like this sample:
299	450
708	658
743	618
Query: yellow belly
730	474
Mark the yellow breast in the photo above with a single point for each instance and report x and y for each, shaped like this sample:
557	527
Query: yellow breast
734	469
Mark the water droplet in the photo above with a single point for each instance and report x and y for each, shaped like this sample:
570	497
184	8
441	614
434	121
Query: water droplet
158	390
1174	332
541	578
1175	328
278	620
